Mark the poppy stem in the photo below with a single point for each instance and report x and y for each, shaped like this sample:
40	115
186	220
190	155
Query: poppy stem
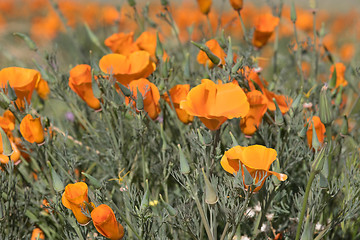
243	26
298	56
201	210
244	206
209	26
227	225
303	209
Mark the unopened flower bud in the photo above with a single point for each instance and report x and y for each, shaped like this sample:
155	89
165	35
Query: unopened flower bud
326	115
210	193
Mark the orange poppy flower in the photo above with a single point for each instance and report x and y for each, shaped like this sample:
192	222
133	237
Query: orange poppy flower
74	197
15	156
215	48
147	42
340	74
127	68
150	93
7	121
204	6
32	130
347	52
256	158
258	106
264	26
105	222
284	102
80	81
42	88
37	234
121	43
22	80
319	128
178	93
237	4
215	103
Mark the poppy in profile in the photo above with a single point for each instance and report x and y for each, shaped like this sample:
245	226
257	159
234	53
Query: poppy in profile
178	93
264	27
32	130
215	103
150	94
127	68
319	128
215	48
80	81
256	158
106	224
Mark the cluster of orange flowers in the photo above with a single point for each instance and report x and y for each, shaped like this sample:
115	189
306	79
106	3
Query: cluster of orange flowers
76	199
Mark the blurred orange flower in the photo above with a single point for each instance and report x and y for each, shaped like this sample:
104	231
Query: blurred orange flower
7	121
256	158
258	106
105	222
178	93
32	130
237	4
15	156
319	128
204	6
264	26
121	43
37	234
22	80
74	197
340	74
150	93
127	68
80	81
215	48
42	88
215	103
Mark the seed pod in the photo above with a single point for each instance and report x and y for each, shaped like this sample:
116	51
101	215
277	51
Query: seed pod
184	165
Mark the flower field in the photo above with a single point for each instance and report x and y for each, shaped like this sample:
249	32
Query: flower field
193	119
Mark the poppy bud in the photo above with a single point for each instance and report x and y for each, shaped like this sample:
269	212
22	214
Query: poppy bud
80	81
326	114
344	126
204	6
293	12
105	222
210	193
145	199
237	4
172	211
6	145
37	234
57	182
132	3
74	197
32	130
184	165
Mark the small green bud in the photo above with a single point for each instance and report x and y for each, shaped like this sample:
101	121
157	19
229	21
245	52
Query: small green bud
132	3
145	199
184	165
31	44
213	58
164	3
315	141
57	182
326	114
210	193
95	88
237	66
172	211
229	57
7	149
344	126
4	101
11	92
332	82
248	179
318	162
124	90
323	181
159	47
279	119
93	181
139	100
338	98
293	12
235	143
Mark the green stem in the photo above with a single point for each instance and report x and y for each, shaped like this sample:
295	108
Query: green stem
201	211
243	26
209	25
303	209
247	200
298	56
227	225
143	163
